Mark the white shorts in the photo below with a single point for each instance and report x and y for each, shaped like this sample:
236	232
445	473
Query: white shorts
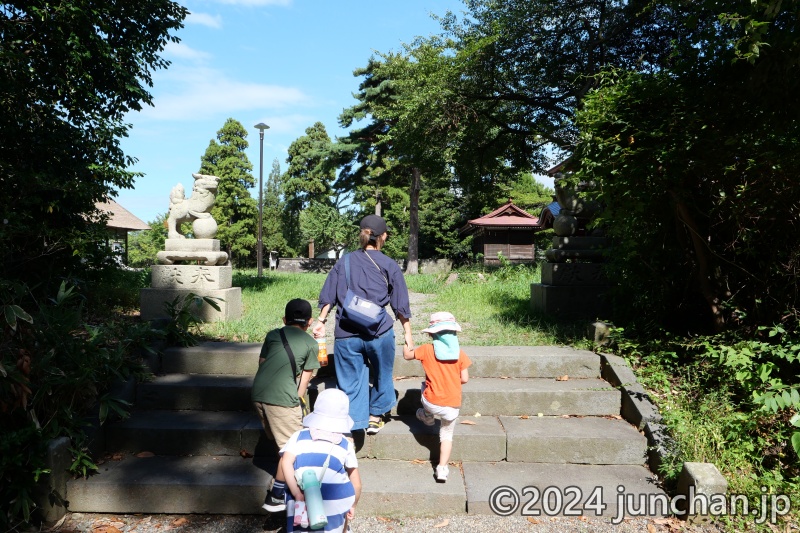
448	416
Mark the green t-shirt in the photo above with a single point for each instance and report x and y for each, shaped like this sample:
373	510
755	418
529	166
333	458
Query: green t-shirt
274	383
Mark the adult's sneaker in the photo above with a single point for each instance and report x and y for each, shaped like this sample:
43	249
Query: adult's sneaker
425	417
273	504
375	426
442	472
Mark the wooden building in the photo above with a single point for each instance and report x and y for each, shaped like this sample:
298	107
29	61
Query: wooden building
508	230
120	222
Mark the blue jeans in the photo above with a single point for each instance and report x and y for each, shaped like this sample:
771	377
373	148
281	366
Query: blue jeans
360	362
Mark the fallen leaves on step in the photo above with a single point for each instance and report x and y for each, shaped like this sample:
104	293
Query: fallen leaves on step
400	378
651	528
565	377
383	519
180	522
443	523
477	415
468	422
145	454
532	520
564	416
524	417
245	454
503	377
105	529
419	462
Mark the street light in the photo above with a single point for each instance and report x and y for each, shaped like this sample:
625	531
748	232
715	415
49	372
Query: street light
260	246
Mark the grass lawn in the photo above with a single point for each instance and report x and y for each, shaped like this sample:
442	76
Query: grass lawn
492	307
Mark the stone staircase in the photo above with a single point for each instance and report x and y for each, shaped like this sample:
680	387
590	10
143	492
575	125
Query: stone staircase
531	417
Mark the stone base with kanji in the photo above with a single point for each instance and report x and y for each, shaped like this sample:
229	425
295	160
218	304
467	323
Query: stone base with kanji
154	303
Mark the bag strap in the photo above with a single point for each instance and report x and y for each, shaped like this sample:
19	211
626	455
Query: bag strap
291	355
347	269
379	269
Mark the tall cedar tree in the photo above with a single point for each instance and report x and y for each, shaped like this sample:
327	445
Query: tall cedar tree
272	213
307	180
235	211
63	118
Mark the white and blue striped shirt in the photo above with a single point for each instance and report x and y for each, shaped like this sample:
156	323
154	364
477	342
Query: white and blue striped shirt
338	494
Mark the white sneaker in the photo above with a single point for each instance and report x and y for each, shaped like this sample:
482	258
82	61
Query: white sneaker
441	472
425	417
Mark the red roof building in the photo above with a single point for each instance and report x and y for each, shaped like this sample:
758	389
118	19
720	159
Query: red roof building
508	230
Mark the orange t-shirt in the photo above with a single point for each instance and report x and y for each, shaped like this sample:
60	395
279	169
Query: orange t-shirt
442	378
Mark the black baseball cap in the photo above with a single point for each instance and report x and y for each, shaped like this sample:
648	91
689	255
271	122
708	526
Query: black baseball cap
298	311
375	223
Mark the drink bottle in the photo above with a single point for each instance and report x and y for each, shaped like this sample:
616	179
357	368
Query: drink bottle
322	352
311	490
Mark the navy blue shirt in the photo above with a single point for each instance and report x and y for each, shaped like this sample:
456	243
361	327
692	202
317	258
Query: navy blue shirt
367	281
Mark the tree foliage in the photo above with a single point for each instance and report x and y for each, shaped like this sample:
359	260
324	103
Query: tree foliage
696	166
144	245
235	211
273	212
307	180
70	72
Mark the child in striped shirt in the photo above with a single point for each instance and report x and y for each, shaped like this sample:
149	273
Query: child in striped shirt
322	441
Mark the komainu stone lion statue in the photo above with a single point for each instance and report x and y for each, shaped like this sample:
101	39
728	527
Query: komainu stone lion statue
195	209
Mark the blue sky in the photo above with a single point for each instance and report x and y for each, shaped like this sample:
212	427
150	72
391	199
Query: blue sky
288	63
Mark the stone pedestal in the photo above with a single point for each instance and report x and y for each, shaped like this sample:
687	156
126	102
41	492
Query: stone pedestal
573	283
170	281
153	302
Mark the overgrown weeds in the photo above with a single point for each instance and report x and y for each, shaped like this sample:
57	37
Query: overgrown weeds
58	364
727	400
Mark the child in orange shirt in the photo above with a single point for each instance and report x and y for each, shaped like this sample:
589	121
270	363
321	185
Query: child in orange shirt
445	366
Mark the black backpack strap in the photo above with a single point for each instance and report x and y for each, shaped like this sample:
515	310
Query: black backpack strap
291	355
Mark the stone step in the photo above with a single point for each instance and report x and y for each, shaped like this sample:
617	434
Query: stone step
579	440
495	396
586	440
584	489
518	362
487	396
231	358
196	392
231	485
165	432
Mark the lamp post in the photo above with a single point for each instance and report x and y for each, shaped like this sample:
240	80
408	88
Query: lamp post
260	246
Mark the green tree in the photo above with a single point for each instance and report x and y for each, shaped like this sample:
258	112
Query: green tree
235	211
329	228
307	179
272	213
70	72
144	245
695	167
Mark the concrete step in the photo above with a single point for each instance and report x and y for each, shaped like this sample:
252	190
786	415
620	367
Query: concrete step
406	438
487	396
583	489
231	358
165	432
197	392
518	362
495	396
585	440
580	440
232	485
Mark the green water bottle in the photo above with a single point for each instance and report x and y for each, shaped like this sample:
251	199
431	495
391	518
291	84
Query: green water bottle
316	511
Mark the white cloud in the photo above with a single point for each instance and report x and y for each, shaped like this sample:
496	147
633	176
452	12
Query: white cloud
181	51
204	19
201	93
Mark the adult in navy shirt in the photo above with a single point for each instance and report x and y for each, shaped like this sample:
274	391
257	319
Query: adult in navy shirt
361	358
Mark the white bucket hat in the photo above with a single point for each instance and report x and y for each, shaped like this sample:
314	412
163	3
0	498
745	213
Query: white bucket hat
331	412
442	321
